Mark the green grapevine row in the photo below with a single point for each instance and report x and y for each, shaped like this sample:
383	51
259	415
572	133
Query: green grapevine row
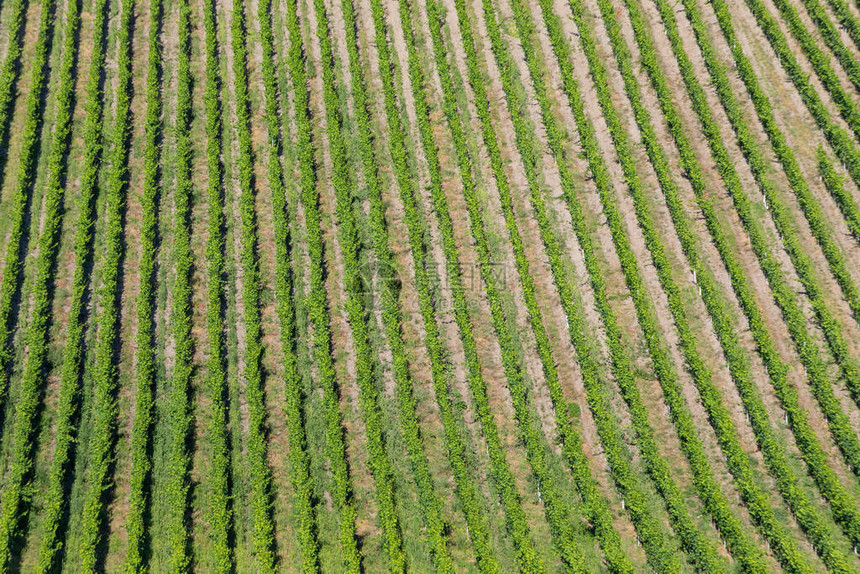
843	198
67	415
356	312
527	557
322	343
830	34
777	369
105	372
598	511
33	377
785	296
178	415
146	357
846	19
817	58
809	205
302	481
467	492
219	515
10	282
430	504
259	473
739	366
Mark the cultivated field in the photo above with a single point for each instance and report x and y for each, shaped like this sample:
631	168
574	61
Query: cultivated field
429	285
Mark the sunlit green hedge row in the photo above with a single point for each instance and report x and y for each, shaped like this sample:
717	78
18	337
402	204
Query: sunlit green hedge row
527	557
784	295
67	415
738	362
146	366
776	368
219	516
13	502
556	508
105	370
597	508
317	303
258	472
843	198
178	416
300	475
468	493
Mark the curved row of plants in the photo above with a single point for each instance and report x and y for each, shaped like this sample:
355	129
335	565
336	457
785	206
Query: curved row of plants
20	202
842	143
816	56
596	504
258	472
178	407
300	474
105	370
785	297
67	411
431	507
219	507
146	366
357	313
467	491
318	308
777	368
12	504
527	557
715	502
755	499
556	508
738	362
809	205
845	201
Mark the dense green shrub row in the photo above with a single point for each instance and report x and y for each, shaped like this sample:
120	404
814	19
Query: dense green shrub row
219	517
839	139
300	475
738	362
846	19
843	198
65	431
146	366
37	338
19	203
651	536
597	508
258	471
527	557
343	186
178	409
755	499
10	70
468	493
819	60
777	369
105	370
830	34
808	203
357	314
318	306
784	295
